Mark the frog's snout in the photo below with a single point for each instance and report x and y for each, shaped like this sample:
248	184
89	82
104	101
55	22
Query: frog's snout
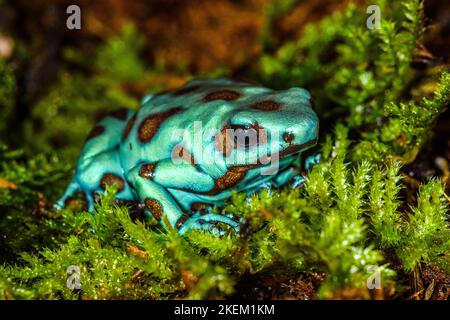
303	132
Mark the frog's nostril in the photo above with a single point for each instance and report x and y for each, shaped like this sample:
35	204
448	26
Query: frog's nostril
288	137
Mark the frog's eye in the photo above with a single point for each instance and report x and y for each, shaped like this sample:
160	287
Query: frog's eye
245	137
288	137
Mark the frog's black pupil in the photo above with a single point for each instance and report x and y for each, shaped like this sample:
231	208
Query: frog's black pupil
246	143
246	132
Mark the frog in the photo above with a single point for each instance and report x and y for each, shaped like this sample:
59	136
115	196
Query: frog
185	152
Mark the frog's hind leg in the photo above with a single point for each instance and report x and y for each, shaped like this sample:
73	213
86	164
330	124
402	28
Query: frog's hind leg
99	163
96	173
71	190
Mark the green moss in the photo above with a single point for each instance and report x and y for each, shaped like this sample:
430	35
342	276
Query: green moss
322	227
427	235
7	97
406	128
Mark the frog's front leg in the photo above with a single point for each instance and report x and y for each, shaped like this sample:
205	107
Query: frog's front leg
292	174
160	203
312	160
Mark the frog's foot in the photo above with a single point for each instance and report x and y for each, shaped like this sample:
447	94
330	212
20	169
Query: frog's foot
297	181
312	160
210	222
72	188
264	186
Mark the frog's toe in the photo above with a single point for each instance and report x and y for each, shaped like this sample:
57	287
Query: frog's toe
312	160
59	205
211	227
297	181
235	218
72	188
210	222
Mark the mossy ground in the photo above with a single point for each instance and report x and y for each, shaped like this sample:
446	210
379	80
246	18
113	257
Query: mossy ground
375	207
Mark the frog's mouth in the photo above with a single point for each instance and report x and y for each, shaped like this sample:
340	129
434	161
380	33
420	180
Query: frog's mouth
290	150
294	148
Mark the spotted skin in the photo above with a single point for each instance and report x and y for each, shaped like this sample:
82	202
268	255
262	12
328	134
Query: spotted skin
96	131
154	207
151	124
227	95
109	179
178	178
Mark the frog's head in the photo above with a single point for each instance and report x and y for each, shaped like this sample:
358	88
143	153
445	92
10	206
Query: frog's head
267	125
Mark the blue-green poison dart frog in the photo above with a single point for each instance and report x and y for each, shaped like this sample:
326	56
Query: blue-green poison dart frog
185	151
